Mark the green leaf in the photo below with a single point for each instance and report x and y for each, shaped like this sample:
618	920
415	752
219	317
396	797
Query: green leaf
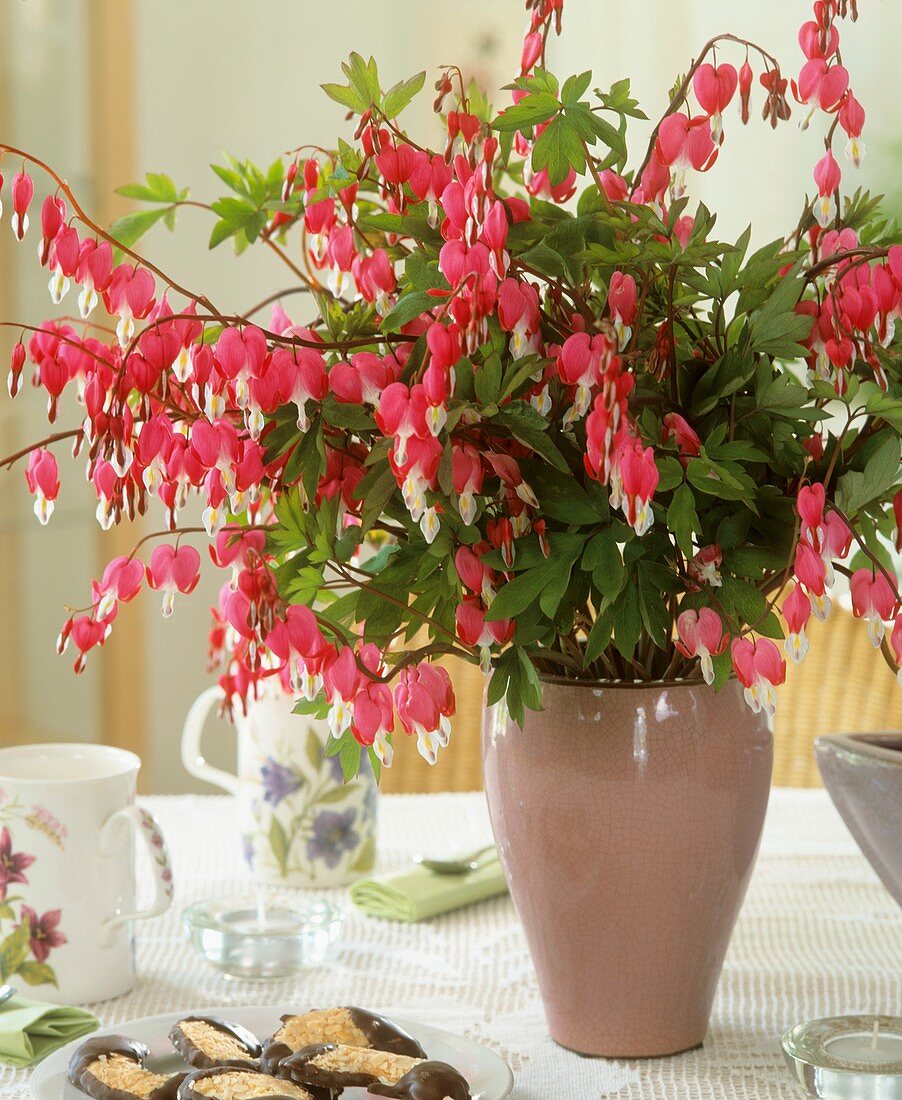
519	593
35	973
718	480
278	842
558	148
627	620
856	489
530	111
562	497
130	228
363	76
346	96
670	473
366	857
158	188
349	756
530	428
602	556
398	96
406	309
236	216
314	749
653	608
14	949
575	87
345	414
599	636
743	601
682	518
565	549
776	329
487	380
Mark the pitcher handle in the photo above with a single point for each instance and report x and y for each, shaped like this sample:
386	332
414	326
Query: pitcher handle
146	827
192	734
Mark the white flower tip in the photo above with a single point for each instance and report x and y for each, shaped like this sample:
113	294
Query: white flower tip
43	509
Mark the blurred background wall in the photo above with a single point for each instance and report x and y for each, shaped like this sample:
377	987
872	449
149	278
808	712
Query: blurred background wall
107	90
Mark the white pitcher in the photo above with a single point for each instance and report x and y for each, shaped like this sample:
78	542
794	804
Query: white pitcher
300	824
67	870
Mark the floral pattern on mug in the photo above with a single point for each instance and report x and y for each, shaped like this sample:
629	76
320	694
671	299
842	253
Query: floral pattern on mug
26	938
161	857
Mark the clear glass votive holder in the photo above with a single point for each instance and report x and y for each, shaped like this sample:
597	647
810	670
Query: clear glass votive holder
847	1057
270	936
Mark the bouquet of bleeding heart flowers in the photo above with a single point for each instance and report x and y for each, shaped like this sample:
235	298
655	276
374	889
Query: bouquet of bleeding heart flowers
535	415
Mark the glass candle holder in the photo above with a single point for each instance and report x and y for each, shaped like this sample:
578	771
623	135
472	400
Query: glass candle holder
270	936
847	1057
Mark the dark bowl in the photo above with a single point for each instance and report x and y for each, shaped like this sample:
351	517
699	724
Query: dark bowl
863	773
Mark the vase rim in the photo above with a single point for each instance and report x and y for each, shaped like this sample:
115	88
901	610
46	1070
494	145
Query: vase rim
624	685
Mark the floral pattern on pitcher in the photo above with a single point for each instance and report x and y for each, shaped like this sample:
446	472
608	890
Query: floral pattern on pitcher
304	825
27	938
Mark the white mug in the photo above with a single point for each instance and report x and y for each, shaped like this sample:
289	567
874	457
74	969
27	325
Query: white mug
67	870
301	825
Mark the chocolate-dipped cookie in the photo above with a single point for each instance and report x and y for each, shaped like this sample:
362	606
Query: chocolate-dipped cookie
111	1067
345	1026
236	1083
208	1041
427	1081
336	1066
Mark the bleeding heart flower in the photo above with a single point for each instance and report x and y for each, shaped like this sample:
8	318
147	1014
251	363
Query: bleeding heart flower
173	570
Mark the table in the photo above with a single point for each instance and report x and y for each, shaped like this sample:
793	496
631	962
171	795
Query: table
818	935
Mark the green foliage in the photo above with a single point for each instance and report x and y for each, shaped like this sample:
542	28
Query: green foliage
719	341
157	189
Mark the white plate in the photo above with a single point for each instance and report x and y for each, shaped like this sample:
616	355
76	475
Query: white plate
489	1077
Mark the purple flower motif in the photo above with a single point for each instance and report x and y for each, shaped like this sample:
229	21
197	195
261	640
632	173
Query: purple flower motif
333	835
279	781
12	864
43	932
247	848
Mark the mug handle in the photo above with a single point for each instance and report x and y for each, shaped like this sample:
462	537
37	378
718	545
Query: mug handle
145	826
192	734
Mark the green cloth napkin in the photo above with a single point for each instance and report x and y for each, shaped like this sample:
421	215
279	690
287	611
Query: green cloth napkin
30	1030
417	894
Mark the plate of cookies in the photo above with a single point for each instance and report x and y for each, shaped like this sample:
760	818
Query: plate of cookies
259	1053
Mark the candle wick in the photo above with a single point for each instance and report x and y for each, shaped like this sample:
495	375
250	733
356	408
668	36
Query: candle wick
875	1035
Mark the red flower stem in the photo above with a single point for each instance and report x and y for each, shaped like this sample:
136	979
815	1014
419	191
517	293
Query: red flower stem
10	460
861	256
270	299
682	92
94	227
868	553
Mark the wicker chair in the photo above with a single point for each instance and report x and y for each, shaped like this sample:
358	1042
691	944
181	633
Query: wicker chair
841	686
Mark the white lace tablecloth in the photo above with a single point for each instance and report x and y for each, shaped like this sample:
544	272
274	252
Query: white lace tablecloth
818	935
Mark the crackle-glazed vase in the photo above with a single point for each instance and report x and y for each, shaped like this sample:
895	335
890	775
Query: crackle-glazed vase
628	820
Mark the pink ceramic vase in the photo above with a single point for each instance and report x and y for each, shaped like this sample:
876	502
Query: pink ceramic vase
628	820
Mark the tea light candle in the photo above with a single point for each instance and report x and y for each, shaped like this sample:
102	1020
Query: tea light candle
847	1057
273	936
